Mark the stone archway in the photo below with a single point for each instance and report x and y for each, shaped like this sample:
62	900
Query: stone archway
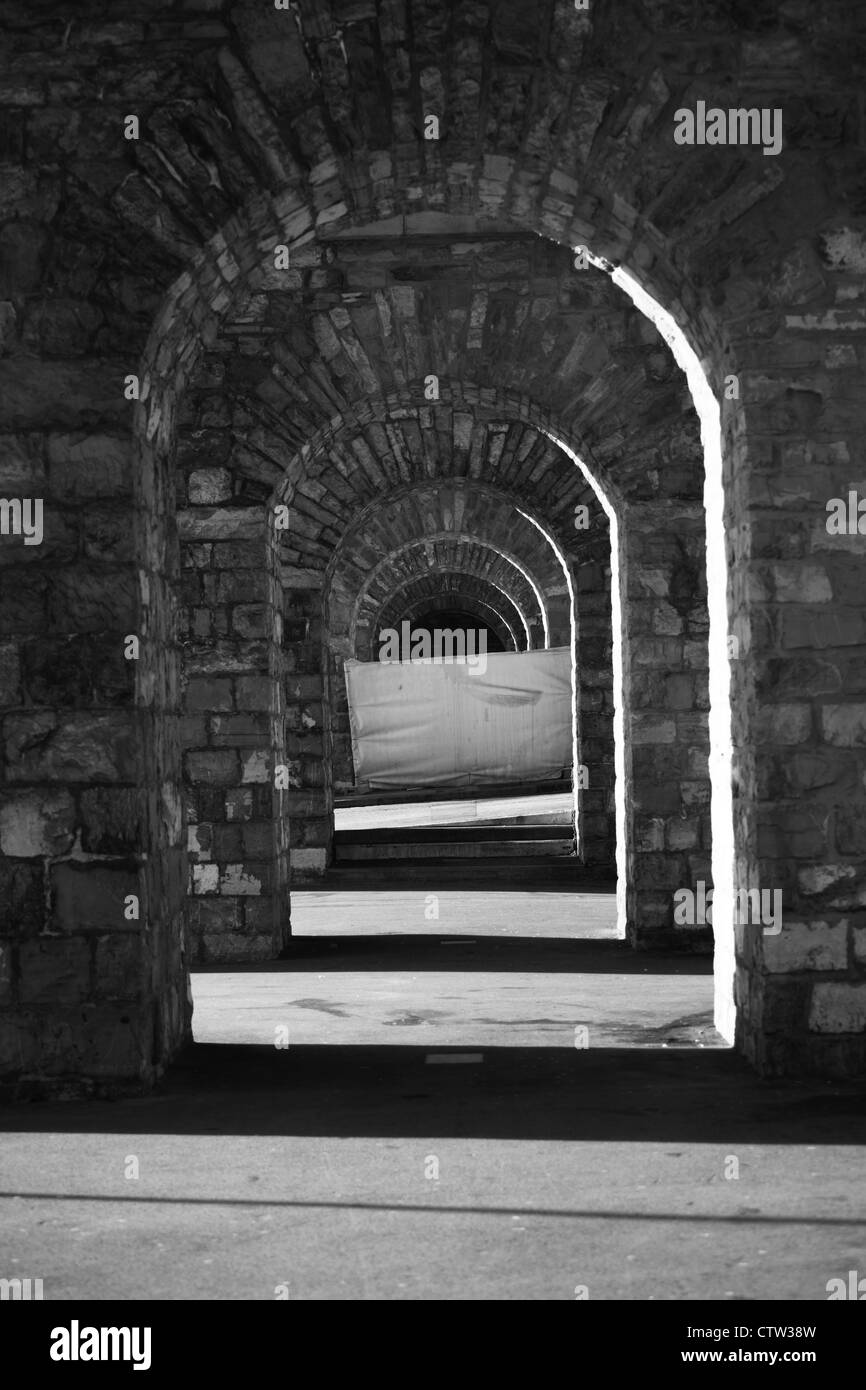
757	265
475	598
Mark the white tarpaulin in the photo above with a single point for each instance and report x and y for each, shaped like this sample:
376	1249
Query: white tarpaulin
416	724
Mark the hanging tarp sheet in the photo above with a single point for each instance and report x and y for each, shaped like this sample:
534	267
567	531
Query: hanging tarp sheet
418	724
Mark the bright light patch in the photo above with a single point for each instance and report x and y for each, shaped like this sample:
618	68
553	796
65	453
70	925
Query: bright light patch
542	606
520	613
721	751
573	644
616	659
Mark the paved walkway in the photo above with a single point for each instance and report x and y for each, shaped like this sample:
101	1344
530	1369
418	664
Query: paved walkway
355	1163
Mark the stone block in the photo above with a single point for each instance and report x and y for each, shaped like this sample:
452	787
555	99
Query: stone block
796	582
679	692
109	818
844	725
258	840
243	586
664	652
697	793
784	724
36	823
89	600
24	606
824	878
244	880
105	531
259	916
213	915
683	834
83	466
657	871
257	766
305	688
254	692
99	1040
192	731
693	727
81	747
235	555
120	967
783	1005
92	897
810	771
218	767
251	620
228	946
206	447
199	557
22	247
54	970
227	842
205	878
309	861
220	523
22	470
240	730
806	945
224	658
22	895
89	671
199	839
839	628
208	486
798	832
317	831
204	803
838	1008
649	833
208	693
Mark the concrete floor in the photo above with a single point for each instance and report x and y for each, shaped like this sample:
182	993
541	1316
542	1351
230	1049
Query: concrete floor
510	969
357	1164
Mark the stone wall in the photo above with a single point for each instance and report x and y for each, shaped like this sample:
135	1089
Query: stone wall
233	733
411	258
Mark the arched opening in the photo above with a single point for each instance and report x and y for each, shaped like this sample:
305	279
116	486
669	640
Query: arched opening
433	514
319	320
342	407
578	600
468	627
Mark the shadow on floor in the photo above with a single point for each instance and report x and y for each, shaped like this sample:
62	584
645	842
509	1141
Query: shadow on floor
480	875
690	1094
527	955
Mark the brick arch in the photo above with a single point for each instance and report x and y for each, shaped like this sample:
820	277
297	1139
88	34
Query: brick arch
463	592
512	316
453	513
448	548
504	445
677	308
472	568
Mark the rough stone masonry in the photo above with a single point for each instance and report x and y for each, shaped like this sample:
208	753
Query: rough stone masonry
305	314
